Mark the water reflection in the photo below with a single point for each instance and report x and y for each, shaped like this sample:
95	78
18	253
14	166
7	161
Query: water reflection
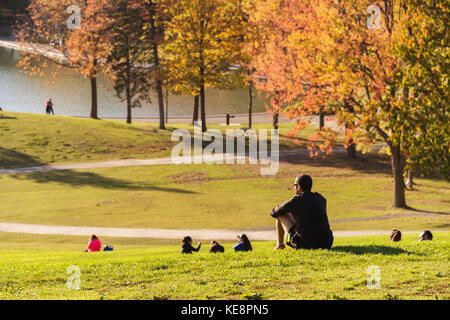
71	95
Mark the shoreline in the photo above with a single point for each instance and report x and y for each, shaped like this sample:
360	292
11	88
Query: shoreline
236	120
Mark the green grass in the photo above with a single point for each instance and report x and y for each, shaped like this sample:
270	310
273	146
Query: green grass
41	242
202	196
408	270
186	196
31	140
213	196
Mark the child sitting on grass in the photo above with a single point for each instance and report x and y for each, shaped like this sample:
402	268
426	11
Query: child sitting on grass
426	235
187	247
94	244
396	235
216	247
244	244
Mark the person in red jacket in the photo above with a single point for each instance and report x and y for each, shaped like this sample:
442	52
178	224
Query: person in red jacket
94	244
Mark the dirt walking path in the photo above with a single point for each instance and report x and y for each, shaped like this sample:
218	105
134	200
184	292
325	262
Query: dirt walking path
133	162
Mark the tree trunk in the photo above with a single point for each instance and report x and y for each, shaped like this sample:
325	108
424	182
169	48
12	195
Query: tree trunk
128	87
94	105
128	110
250	105
351	149
196	105
321	119
202	98
203	107
398	166
167	104
275	120
410	180
159	89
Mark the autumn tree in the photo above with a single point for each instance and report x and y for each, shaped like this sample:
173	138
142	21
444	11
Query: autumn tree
201	36
89	46
44	23
241	73
131	76
84	46
339	54
283	59
154	13
422	43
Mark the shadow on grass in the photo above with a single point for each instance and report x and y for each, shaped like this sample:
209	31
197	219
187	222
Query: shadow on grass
443	226
79	179
7	118
370	249
13	159
10	159
428	211
372	163
430	186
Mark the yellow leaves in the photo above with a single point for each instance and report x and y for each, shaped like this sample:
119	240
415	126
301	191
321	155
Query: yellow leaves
202	35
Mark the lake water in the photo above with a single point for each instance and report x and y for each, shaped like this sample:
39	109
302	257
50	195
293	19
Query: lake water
71	95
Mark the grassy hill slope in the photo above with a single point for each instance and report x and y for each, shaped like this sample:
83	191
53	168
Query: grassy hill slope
408	270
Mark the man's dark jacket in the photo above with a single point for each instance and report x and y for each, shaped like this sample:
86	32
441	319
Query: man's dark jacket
310	212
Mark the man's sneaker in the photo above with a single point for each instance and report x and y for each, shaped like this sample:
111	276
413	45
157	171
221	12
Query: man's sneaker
280	247
289	244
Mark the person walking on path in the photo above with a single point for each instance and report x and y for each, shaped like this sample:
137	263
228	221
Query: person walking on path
49	107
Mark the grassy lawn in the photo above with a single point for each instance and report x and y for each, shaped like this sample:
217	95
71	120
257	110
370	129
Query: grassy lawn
198	197
40	242
408	270
186	196
213	196
31	140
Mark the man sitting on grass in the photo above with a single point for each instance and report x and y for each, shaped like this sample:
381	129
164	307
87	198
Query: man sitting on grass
304	218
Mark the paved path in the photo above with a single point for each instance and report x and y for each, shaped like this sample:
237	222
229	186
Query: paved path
135	162
80	166
39	49
202	234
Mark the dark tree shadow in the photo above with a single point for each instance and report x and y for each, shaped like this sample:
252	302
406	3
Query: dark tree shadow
443	226
79	179
13	159
430	186
428	211
7	118
369	249
372	163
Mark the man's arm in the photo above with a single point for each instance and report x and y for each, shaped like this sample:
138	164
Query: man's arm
283	208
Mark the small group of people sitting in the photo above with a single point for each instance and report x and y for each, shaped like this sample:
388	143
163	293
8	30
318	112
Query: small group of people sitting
301	223
214	247
425	235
